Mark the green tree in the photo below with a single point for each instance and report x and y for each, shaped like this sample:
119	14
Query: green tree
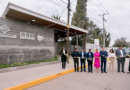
57	17
79	19
95	32
122	42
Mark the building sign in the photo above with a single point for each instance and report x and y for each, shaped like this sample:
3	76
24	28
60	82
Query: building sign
4	29
40	37
26	35
96	44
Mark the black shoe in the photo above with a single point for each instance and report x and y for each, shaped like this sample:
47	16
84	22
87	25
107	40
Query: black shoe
102	72
105	72
88	72
118	71
77	71
84	71
80	71
123	71
91	71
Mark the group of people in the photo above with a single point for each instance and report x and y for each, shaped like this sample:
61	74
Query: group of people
96	57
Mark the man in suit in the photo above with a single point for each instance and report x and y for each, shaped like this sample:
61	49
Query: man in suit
120	53
82	59
104	56
90	56
75	56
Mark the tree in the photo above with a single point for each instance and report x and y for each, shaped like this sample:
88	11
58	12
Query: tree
95	32
57	17
79	19
122	42
107	39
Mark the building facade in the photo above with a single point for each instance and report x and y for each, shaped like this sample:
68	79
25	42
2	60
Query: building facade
21	41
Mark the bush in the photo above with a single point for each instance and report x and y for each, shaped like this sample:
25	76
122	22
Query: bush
26	63
56	57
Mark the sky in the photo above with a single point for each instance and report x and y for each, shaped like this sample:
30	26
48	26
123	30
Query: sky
117	19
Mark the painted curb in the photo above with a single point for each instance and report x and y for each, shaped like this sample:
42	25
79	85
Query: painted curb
40	80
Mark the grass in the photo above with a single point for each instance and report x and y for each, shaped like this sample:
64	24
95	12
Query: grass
26	63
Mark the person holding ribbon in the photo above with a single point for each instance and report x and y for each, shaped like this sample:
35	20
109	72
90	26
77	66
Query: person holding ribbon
112	60
104	55
75	56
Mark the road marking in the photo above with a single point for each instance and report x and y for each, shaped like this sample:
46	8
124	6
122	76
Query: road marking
41	80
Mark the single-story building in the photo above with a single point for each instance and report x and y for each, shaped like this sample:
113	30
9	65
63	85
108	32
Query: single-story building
29	36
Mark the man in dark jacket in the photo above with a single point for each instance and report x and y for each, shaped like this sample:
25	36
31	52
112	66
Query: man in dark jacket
90	56
104	56
75	56
82	59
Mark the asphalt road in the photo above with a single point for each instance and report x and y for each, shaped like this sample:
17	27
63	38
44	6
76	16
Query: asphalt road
89	81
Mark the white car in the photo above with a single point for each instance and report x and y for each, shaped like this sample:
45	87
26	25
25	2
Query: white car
127	50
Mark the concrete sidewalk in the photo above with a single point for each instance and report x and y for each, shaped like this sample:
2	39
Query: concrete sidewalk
10	79
89	81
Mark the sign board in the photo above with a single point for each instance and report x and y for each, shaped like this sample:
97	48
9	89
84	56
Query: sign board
4	29
89	46
96	44
26	35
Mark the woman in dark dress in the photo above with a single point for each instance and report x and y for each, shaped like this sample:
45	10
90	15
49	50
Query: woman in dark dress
63	57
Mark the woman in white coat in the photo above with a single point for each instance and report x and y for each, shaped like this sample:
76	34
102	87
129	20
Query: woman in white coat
112	60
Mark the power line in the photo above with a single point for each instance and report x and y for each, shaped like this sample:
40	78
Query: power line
101	26
86	14
56	3
100	23
63	11
97	6
107	12
93	9
98	14
2	4
102	6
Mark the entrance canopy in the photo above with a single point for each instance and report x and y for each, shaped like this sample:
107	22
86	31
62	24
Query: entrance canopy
18	13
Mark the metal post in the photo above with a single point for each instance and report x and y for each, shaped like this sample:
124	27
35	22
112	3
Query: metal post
103	31
77	39
68	30
103	28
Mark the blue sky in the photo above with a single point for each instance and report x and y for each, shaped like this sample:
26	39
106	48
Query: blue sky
118	19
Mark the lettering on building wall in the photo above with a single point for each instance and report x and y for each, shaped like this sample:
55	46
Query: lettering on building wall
4	29
26	35
40	37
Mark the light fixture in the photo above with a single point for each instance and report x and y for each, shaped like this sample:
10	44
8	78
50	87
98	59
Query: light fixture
65	29
33	20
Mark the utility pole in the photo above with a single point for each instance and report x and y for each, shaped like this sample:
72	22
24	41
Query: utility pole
103	27
68	30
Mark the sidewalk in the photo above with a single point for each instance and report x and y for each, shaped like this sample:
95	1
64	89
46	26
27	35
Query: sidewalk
10	79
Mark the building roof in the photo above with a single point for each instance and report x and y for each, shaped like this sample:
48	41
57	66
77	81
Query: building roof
16	12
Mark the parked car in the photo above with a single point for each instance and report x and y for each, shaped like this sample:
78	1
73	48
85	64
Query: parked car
127	50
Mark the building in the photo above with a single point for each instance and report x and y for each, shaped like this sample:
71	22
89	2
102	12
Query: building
29	36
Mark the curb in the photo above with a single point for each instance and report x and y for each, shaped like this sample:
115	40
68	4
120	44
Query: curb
40	80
